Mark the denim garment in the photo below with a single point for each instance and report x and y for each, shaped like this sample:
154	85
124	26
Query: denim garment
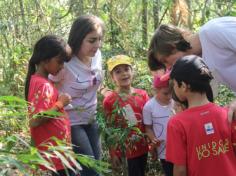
86	140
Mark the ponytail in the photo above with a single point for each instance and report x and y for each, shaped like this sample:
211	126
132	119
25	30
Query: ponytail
31	71
209	93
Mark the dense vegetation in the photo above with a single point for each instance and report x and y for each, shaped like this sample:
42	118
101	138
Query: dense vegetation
129	27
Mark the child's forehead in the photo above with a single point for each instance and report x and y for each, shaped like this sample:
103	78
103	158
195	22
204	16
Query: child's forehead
121	66
96	32
172	82
163	89
158	72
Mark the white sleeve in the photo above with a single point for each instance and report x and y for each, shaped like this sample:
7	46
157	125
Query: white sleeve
228	32
99	58
231	40
147	114
57	78
227	37
221	32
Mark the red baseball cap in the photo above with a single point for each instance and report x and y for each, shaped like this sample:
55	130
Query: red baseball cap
158	83
166	76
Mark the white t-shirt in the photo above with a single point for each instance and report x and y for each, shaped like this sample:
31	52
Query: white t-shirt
218	41
82	83
158	116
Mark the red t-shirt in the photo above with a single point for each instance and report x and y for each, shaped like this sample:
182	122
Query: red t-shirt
233	132
42	96
133	107
200	139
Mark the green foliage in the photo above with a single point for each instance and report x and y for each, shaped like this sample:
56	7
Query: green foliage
142	75
23	22
116	130
27	21
13	113
29	158
16	149
225	96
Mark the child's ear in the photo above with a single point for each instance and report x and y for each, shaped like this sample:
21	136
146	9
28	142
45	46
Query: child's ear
45	62
111	76
184	86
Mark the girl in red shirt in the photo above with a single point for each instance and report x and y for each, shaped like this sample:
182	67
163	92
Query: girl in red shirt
48	57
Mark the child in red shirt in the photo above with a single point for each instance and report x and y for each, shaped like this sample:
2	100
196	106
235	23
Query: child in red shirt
132	101
48	57
199	138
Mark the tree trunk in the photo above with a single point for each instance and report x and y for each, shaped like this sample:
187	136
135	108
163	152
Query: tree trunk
179	12
111	24
80	8
144	22
204	12
95	7
156	13
190	16
23	19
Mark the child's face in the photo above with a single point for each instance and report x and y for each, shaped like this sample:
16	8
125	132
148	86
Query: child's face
158	72
179	90
91	43
122	75
53	65
178	107
163	94
169	60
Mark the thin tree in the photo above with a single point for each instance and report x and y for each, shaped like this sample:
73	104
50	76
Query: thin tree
155	13
144	22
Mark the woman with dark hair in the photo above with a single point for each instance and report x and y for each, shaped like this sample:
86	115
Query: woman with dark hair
215	42
81	78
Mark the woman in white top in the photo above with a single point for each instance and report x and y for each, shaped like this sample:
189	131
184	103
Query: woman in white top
81	78
215	42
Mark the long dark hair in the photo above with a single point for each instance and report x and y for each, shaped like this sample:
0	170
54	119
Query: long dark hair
153	63
194	72
165	40
80	28
45	49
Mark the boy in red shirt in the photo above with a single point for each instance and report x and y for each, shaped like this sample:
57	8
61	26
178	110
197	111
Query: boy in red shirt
131	101
199	138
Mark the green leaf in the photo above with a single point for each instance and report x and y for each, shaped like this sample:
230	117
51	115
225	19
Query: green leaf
14	162
63	160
